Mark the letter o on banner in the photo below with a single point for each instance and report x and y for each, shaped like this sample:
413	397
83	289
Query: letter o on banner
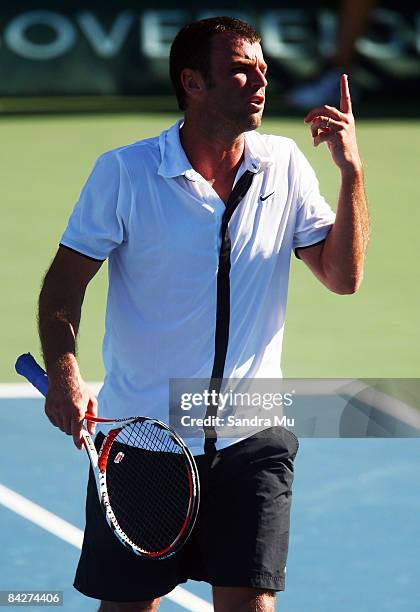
16	35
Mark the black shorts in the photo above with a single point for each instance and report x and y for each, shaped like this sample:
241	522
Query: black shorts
240	538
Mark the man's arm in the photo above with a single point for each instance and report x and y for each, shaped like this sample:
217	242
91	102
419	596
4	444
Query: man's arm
60	305
338	261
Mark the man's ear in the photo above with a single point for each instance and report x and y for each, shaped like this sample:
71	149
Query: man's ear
193	83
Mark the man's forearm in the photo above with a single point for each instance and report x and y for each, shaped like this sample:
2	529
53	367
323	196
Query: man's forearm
60	306
344	250
58	321
339	262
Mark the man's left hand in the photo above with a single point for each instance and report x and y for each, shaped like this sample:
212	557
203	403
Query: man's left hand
337	129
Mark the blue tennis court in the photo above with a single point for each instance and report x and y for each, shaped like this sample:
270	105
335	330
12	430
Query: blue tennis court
355	535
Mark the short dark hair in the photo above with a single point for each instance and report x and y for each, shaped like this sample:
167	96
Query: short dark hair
191	48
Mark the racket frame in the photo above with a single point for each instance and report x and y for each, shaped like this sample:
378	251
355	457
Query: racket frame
32	371
99	460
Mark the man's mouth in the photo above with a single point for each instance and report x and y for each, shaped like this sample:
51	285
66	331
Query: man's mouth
257	101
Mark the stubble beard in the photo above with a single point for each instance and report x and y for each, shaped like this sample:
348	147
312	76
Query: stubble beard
240	124
250	122
254	122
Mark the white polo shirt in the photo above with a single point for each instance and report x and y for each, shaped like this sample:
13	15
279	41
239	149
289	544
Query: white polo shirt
159	223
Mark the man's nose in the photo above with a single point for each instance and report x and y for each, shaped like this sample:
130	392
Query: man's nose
260	78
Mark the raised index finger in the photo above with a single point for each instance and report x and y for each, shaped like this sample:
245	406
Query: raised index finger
345	100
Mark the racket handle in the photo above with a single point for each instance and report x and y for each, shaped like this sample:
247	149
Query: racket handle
27	366
32	371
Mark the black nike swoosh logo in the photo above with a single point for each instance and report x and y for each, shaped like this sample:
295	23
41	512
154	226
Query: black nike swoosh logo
262	198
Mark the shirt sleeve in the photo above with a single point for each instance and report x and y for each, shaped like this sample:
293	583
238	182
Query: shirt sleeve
314	216
96	226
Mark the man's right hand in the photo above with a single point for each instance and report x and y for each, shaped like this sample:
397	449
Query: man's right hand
67	401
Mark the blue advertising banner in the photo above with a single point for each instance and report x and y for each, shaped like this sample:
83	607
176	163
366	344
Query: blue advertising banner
121	48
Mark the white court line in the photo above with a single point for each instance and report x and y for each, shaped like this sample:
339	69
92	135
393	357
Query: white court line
74	536
25	390
311	386
335	386
41	517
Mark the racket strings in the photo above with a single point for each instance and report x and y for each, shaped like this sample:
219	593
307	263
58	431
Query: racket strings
151	502
144	517
149	486
149	436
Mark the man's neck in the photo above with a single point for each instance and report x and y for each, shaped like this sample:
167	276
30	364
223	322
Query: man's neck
216	156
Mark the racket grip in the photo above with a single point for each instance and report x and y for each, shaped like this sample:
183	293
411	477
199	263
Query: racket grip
27	366
32	371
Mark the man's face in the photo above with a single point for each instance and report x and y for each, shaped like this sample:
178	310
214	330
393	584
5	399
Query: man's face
236	94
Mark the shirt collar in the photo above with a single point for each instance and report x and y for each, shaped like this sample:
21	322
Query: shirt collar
257	155
174	161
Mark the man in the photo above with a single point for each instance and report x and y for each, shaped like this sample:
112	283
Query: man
198	226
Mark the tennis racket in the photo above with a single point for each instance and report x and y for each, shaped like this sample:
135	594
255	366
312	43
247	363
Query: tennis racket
146	477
